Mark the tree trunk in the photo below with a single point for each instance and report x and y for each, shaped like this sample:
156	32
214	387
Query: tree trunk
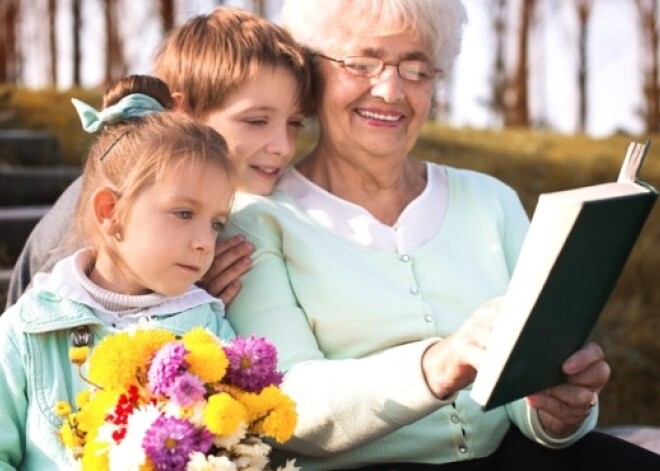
583	13
519	113
52	41
166	11
9	44
260	7
648	10
77	33
498	10
115	66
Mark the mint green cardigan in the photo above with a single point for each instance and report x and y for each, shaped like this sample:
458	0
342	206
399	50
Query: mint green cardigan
351	324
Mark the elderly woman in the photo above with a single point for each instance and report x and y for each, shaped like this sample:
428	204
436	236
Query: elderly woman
372	271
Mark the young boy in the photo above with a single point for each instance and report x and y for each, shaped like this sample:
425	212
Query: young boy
240	74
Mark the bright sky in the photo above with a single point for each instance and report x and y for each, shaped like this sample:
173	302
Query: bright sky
615	69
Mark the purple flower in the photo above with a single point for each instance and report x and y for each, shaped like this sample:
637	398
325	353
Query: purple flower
169	441
252	363
186	389
167	365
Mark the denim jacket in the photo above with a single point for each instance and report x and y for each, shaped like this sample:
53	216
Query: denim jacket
36	372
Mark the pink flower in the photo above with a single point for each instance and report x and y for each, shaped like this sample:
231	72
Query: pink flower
252	363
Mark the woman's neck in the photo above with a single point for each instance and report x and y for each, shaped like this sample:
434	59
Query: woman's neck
383	186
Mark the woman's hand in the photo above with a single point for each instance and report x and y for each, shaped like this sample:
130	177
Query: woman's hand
452	364
232	259
563	408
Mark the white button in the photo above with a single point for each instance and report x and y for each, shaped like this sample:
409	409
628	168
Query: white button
405	258
428	318
454	418
462	449
414	290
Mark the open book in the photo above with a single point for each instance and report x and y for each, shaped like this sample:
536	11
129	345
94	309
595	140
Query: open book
577	245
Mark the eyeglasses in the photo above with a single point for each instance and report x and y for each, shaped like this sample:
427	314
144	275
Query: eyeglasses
366	66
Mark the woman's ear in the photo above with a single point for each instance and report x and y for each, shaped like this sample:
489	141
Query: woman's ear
105	201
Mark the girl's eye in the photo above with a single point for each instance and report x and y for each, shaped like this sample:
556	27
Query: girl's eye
218	226
297	123
184	214
257	122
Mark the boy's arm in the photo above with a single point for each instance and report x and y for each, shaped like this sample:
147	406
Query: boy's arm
46	244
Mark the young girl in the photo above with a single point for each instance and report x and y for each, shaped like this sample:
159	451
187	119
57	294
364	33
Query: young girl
156	191
244	76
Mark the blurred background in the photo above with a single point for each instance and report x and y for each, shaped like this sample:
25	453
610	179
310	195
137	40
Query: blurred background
546	95
567	65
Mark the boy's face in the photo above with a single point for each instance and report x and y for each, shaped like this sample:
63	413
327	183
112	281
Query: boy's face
260	122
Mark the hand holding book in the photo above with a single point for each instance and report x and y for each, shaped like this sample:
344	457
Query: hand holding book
574	252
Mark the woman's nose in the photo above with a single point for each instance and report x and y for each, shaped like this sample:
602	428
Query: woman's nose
388	85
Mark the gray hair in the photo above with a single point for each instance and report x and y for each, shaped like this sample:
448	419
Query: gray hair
319	24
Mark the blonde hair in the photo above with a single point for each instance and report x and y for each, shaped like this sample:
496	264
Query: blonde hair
131	156
438	23
210	56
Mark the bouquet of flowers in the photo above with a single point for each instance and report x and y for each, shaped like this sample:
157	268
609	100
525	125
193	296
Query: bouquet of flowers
193	403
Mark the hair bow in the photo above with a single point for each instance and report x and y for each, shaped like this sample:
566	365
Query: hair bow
131	106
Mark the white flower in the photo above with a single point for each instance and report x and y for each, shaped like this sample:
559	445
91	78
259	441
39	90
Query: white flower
194	414
229	441
252	446
129	454
199	462
289	466
143	323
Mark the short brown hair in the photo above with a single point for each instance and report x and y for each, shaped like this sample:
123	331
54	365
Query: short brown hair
210	56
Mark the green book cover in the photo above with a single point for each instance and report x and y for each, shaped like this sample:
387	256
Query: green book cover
578	243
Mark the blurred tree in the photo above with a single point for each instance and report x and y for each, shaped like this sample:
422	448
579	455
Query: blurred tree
76	31
517	114
583	8
498	10
648	15
9	46
115	66
259	7
52	41
166	10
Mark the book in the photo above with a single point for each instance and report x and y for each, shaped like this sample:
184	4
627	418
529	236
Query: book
577	245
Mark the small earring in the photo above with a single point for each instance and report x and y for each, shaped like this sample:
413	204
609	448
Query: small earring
118	236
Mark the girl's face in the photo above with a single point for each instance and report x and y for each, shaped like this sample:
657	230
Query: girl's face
260	122
167	241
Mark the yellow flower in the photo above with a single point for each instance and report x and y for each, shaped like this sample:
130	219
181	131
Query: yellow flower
78	355
93	414
119	360
148	465
83	398
68	435
206	357
62	409
271	413
223	414
95	456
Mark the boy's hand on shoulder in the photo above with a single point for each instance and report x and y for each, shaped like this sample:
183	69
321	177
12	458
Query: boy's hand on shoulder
232	260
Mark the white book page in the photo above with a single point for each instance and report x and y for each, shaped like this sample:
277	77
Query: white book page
537	257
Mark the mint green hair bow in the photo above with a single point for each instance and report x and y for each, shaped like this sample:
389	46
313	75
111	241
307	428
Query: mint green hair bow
131	106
